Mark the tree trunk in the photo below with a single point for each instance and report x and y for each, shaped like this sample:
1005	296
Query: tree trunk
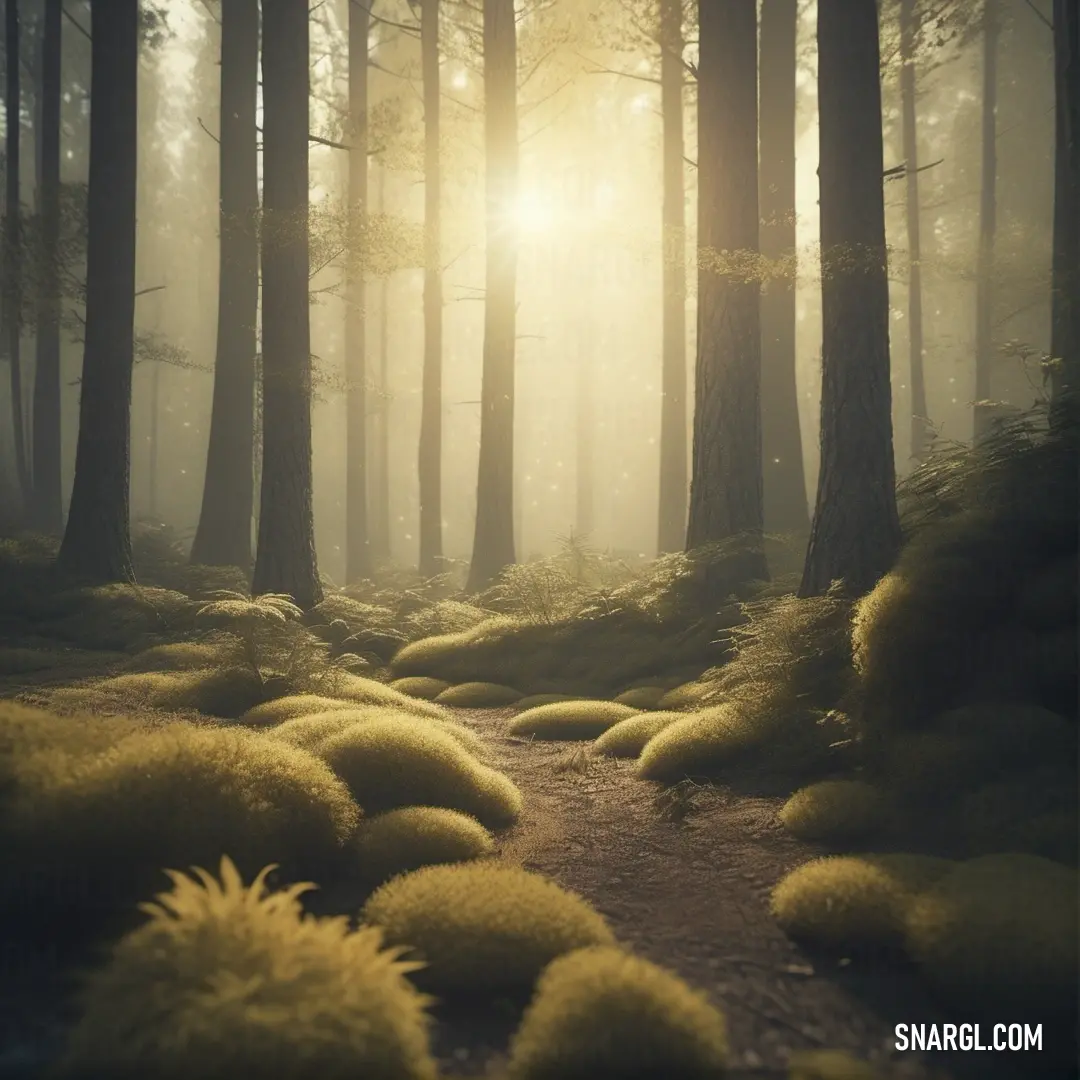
493	541
585	374
380	478
921	430
784	478
1065	301
430	461
154	441
13	245
856	532
285	560
223	537
357	541
671	535
97	541
984	272
47	513
726	482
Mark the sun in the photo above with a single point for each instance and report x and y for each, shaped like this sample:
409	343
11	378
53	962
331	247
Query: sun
532	213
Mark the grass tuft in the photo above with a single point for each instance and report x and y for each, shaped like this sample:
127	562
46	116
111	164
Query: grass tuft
479	695
569	719
835	812
602	1012
483	928
628	737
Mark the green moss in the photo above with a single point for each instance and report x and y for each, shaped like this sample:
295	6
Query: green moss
1019	734
388	764
361	691
483	928
531	701
19	661
689	695
419	686
642	697
1048	600
828	1065
928	770
603	1012
834	812
570	719
1000	933
225	981
696	745
185	656
628	737
415	836
849	903
291	707
479	695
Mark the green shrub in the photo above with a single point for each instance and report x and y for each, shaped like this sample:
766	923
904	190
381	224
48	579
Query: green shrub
479	695
602	1012
628	737
419	686
225	981
642	697
570	719
416	836
483	928
533	700
849	903
828	1065
388	764
93	831
1000	933
834	812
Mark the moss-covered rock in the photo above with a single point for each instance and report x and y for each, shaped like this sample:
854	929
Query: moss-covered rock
628	737
570	719
479	695
642	697
835	812
420	686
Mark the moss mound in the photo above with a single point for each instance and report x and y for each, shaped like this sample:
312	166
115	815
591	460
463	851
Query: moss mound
602	1012
289	708
419	686
848	903
24	661
569	719
388	765
103	825
1000	933
416	836
642	697
531	701
361	691
828	1065
835	812
184	656
628	737
689	695
698	744
483	928
479	695
225	981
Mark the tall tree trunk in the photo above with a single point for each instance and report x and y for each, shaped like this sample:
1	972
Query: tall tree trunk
856	531
285	560
47	513
984	271
493	540
585	374
671	535
13	246
154	442
380	465
726	482
97	540
1065	300
357	540
920	423
784	478
430	462
223	537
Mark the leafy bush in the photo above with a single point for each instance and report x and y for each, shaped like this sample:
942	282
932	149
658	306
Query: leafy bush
225	981
849	903
416	836
483	928
479	695
388	764
602	1012
834	812
628	737
1000	933
570	719
642	697
90	832
420	687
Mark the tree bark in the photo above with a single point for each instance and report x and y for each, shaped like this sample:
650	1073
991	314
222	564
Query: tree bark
285	561
97	540
357	540
726	483
855	534
380	464
47	513
13	246
430	457
671	534
493	541
921	430
784	478
223	537
984	271
1065	301
585	374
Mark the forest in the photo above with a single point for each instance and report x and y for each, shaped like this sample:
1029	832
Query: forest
539	539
